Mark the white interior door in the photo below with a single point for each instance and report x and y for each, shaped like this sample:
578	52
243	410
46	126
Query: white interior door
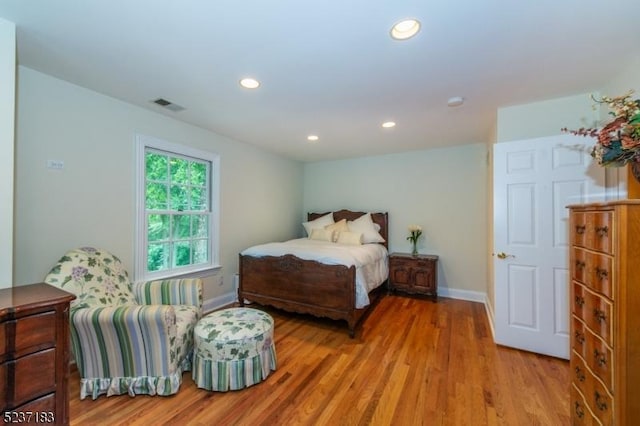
534	180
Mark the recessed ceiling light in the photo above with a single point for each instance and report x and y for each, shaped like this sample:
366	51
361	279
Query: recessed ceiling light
455	101
389	124
312	138
405	29
249	83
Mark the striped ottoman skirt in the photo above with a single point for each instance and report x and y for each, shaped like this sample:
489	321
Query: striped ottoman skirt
233	349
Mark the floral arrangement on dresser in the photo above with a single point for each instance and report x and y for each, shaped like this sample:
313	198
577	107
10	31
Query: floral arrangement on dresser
618	141
415	231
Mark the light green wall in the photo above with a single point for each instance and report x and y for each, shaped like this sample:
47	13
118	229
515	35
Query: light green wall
91	201
545	118
7	118
443	190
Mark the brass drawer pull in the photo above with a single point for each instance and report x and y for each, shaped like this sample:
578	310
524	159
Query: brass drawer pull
600	357
580	229
602	231
579	410
579	337
601	273
580	264
579	301
580	374
602	405
600	316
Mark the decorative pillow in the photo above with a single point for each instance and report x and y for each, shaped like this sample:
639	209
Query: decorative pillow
366	226
337	227
320	222
350	238
321	234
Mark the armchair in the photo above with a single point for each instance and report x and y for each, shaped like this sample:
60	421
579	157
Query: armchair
127	338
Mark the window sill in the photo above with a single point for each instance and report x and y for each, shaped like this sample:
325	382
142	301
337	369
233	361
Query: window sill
198	273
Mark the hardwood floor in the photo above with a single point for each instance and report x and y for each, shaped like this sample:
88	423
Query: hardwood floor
413	362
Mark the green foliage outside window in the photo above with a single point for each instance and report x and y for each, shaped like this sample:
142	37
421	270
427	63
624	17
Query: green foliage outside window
177	208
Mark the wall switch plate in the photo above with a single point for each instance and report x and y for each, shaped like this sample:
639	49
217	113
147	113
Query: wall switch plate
55	164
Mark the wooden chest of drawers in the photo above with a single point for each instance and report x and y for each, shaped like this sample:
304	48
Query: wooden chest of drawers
605	313
34	354
413	274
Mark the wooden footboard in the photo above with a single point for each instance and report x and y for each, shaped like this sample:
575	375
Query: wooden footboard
306	286
302	286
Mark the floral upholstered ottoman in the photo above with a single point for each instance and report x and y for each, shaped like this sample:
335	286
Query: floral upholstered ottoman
234	348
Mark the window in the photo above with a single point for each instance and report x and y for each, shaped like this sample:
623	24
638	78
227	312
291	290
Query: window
176	198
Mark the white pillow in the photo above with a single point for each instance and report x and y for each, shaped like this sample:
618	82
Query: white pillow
349	238
365	225
321	234
320	223
337	227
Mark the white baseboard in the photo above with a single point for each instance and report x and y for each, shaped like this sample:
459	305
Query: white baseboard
490	317
453	293
219	302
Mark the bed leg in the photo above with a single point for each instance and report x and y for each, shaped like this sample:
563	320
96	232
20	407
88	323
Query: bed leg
352	328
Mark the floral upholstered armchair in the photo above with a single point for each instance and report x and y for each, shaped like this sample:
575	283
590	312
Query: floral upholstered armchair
127	338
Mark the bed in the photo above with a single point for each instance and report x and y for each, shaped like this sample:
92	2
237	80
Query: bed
305	286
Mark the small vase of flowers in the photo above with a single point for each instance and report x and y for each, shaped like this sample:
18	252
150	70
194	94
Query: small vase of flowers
414	234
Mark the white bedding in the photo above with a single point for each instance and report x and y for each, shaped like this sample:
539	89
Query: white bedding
370	260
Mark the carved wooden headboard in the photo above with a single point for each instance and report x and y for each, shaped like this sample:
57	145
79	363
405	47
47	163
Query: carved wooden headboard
381	219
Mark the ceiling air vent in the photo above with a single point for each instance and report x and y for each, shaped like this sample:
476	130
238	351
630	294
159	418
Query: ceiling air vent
168	105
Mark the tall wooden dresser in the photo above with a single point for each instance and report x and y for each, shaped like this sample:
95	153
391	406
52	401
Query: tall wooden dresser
34	355
605	306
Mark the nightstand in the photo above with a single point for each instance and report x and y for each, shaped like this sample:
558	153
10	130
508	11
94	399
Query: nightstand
413	274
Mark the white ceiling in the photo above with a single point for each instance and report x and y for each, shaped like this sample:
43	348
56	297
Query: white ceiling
329	67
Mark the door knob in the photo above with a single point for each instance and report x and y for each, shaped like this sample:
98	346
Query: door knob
503	255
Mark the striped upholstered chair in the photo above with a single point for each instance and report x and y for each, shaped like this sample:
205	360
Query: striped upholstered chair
127	338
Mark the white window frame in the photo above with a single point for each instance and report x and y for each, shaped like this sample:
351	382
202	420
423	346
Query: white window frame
144	142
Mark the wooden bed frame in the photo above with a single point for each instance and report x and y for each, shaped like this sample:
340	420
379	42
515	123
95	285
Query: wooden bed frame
306	286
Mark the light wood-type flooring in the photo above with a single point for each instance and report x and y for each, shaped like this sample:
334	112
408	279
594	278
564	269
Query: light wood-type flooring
413	362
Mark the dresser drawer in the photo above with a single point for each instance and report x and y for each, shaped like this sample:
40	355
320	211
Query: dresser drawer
597	355
36	332
596	397
35	375
580	413
599	358
580	376
4	379
45	406
3	340
601	403
594	270
594	310
579	337
593	230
